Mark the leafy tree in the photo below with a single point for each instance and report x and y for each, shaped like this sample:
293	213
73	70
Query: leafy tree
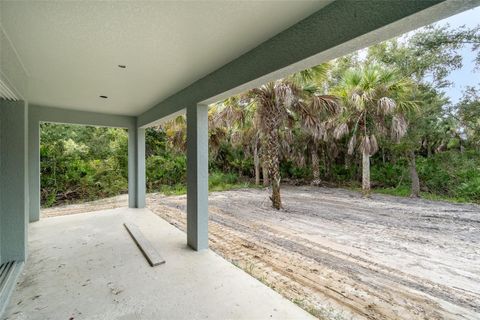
468	110
82	162
430	54
428	57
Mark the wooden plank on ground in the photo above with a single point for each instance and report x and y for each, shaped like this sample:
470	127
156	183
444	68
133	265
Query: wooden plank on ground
152	256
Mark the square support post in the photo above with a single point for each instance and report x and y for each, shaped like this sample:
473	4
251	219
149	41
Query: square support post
34	169
136	167
197	177
13	180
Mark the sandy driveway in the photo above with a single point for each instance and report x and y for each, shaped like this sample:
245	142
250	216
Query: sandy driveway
339	255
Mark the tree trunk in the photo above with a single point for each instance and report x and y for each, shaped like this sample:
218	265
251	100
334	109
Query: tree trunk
256	162
366	173
266	181
326	162
315	167
414	176
273	164
276	199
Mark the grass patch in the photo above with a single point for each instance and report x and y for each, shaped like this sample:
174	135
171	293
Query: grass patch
173	190
405	192
217	181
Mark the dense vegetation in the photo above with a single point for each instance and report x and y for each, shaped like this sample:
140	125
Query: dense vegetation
80	162
376	120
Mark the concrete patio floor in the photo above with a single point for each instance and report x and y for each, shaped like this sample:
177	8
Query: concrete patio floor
86	266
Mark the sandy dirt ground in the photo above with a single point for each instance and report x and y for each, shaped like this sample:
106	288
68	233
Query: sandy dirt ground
341	256
92	206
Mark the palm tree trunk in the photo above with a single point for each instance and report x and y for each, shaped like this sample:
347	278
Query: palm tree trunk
326	166
273	164
256	162
414	176
365	173
266	181
276	199
315	167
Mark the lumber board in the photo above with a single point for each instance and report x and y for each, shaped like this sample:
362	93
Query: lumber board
149	252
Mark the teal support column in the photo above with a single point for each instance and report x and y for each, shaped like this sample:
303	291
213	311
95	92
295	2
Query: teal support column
197	177
136	167
13	180
34	169
141	182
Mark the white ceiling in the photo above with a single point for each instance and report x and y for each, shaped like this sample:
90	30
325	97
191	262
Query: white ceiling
71	50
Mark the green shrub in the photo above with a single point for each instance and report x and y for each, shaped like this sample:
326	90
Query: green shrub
470	189
451	174
340	173
448	175
165	170
389	175
88	163
81	163
288	169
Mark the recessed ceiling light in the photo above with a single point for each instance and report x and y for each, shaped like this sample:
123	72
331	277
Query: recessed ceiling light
103	97
122	66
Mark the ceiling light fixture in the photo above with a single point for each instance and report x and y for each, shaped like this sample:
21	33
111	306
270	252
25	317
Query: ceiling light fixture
103	97
122	66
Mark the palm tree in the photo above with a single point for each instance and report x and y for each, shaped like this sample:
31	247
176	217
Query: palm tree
176	133
374	99
273	101
259	118
238	118
222	118
317	112
278	105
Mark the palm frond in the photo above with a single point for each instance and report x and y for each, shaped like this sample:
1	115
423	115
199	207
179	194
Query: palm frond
373	145
386	105
351	144
340	131
399	127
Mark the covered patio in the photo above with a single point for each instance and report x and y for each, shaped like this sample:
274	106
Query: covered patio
86	266
133	65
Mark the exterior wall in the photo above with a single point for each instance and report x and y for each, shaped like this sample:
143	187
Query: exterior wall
14	180
39	114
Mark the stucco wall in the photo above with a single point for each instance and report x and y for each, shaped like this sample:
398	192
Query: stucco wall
14	180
